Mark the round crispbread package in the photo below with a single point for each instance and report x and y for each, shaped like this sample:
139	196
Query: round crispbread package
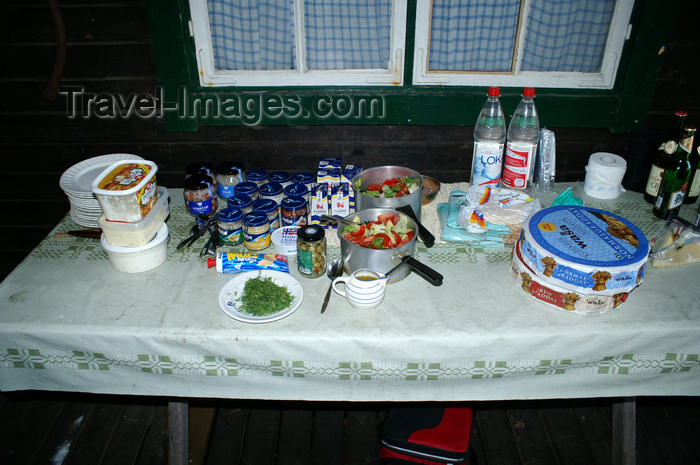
584	250
560	298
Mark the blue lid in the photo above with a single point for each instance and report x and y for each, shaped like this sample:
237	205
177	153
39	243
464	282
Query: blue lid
256	175
279	176
304	178
293	203
229	215
239	201
265	205
588	236
271	189
246	187
254	219
296	190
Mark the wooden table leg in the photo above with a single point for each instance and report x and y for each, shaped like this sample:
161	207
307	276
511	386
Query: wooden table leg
624	429
178	429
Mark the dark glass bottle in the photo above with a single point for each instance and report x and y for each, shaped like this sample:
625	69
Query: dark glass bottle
694	185
674	182
661	158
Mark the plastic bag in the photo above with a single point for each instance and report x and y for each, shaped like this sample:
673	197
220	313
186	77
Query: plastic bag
675	245
484	206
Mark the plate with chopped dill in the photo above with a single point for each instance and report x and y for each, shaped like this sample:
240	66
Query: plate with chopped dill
261	296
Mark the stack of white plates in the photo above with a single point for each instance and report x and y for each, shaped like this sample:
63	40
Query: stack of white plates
76	182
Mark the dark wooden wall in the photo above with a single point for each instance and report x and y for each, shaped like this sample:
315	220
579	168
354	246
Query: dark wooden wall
108	50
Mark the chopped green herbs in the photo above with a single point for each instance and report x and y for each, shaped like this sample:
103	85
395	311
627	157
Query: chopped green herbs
261	297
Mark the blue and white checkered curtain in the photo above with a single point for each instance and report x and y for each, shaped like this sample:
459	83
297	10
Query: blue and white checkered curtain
474	35
479	35
567	35
340	34
347	34
252	34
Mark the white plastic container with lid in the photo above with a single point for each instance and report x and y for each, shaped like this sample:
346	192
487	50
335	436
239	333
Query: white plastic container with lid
122	234
126	190
139	259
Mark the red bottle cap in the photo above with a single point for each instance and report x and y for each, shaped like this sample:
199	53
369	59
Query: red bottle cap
529	92
681	113
211	262
494	91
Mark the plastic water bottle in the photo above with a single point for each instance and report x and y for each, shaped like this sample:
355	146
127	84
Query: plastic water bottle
489	138
521	146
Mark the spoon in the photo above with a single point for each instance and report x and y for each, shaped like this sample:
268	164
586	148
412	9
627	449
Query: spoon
335	269
335	219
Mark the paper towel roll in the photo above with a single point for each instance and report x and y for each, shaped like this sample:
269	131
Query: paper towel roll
604	174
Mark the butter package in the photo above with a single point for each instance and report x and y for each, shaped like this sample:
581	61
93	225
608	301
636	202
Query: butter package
328	176
584	250
340	200
320	204
346	177
329	163
558	297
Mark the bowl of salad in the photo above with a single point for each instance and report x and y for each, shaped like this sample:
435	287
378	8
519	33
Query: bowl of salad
378	239
388	187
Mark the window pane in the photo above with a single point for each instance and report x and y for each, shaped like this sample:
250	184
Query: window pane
475	35
252	35
352	34
567	35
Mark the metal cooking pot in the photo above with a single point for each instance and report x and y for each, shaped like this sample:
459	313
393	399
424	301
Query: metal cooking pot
408	204
378	175
356	257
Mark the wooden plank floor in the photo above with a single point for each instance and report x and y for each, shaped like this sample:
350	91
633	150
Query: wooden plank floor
78	429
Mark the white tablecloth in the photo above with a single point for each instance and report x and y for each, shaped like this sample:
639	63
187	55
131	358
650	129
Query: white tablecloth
69	321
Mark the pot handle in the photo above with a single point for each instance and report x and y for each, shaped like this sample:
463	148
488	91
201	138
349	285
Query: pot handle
425	235
430	275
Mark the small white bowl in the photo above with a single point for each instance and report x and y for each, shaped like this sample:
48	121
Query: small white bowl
140	258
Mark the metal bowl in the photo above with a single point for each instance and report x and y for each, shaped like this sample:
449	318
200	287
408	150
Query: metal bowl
378	175
431	187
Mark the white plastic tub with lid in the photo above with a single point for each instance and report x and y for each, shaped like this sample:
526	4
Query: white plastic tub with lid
139	259
136	234
126	190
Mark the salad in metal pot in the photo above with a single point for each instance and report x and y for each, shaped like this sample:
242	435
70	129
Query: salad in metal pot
387	232
392	187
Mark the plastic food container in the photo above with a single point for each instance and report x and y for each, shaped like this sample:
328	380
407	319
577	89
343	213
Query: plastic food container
138	259
137	234
285	240
126	190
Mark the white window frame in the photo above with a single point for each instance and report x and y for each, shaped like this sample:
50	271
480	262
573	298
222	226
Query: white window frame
620	30
301	76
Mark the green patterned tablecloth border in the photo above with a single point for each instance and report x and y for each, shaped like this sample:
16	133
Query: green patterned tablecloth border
631	364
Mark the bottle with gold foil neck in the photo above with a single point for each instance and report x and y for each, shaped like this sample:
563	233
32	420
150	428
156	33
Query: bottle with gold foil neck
676	175
661	157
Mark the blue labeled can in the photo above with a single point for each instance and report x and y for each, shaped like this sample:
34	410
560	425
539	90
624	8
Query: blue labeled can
241	202
280	177
199	194
304	178
256	231
297	190
257	176
293	211
271	190
230	225
270	208
247	188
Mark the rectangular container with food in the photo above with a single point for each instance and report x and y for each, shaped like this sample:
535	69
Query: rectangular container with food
137	234
126	190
